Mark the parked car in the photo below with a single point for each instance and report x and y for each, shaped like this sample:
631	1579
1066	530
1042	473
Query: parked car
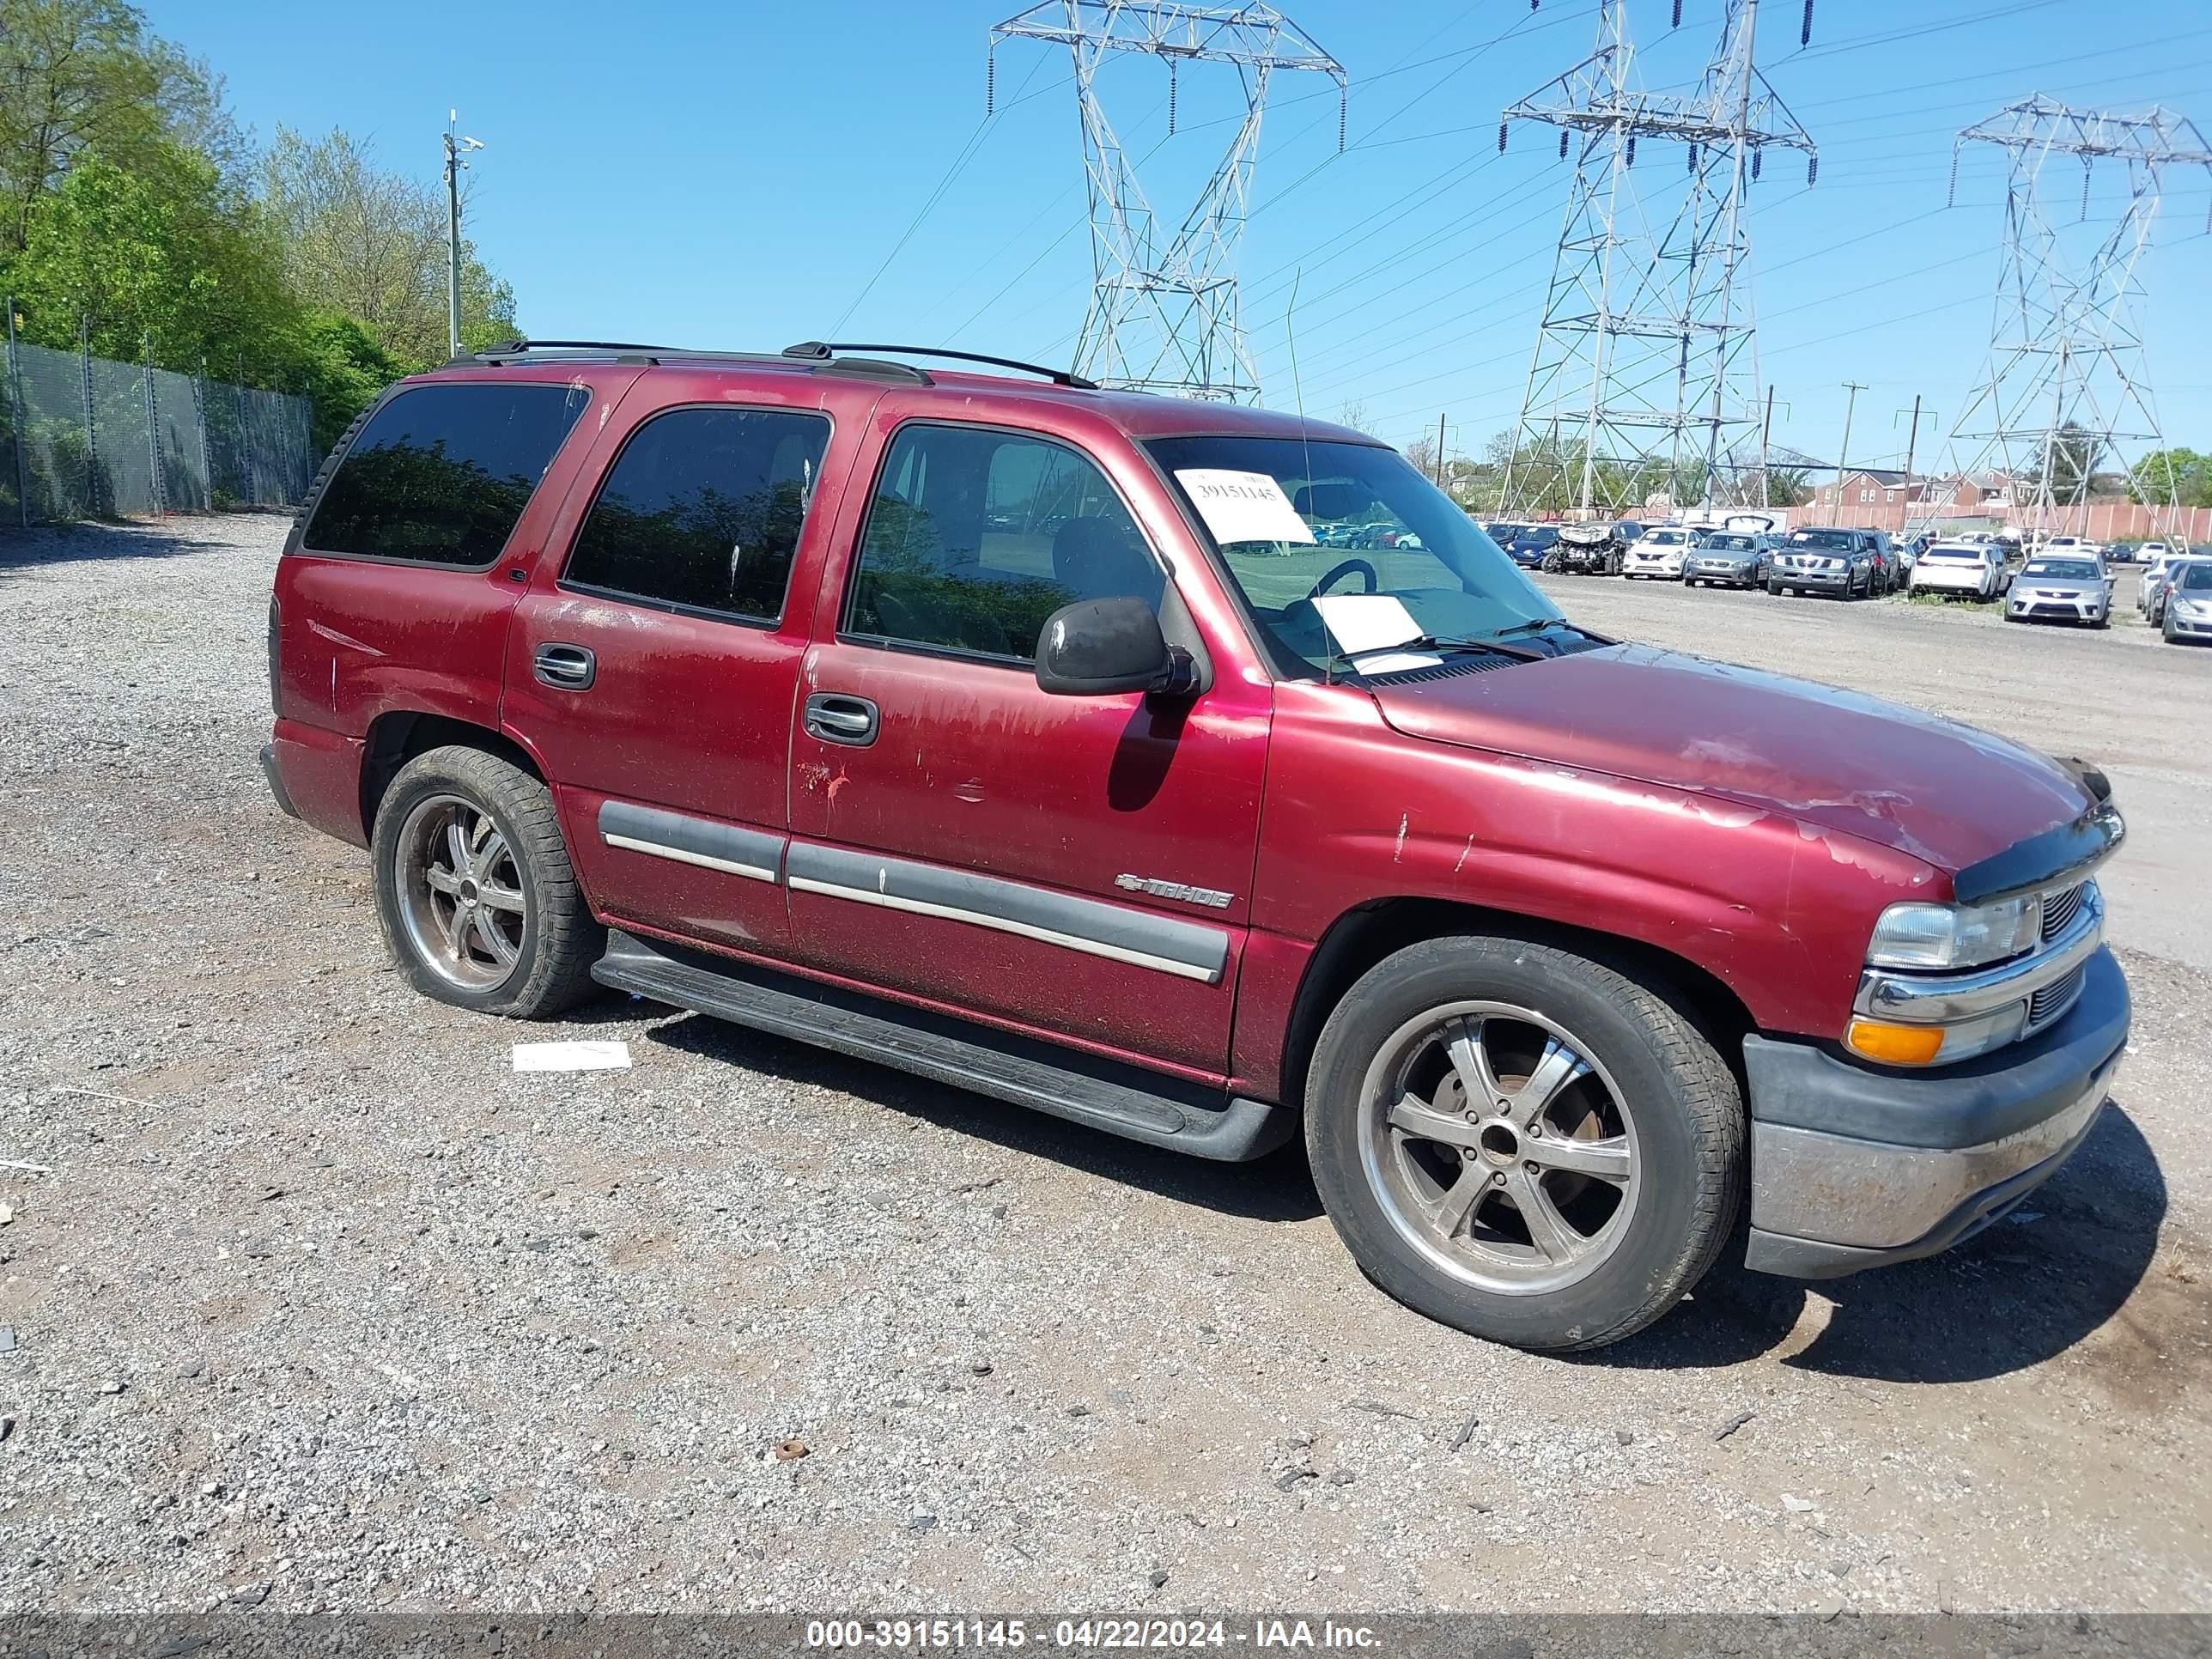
2060	589
704	679
1730	558
1592	549
1969	569
2151	581
2078	547
1658	554
1827	560
2156	556
2187	615
2157	588
1529	547
1502	531
1909	548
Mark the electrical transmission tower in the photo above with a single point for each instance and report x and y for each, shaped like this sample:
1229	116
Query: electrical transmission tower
2064	388
1645	375
1164	314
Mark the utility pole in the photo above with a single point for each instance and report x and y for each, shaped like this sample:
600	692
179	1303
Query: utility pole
456	148
1644	364
2068	358
1164	313
1854	387
1911	446
1440	452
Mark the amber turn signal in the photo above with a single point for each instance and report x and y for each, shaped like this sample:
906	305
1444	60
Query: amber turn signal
1894	1045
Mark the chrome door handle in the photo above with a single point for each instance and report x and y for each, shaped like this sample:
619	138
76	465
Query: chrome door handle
835	718
567	667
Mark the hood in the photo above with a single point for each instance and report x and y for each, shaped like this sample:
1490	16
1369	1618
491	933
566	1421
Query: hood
1933	788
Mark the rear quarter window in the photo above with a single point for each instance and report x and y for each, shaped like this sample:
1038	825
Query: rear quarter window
442	473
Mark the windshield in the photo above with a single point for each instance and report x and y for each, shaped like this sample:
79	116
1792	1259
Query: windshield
2194	578
1820	538
2062	570
1729	544
1266	500
1542	534
1954	556
1665	538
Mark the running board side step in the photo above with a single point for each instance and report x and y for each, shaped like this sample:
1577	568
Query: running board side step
1122	1100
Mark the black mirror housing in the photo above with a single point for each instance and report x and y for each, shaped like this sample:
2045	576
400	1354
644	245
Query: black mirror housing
1100	648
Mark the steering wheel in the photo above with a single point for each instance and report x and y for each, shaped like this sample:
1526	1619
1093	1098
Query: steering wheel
1364	569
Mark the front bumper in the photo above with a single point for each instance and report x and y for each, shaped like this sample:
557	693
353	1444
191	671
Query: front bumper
1855	1166
2035	607
2198	627
1720	571
1839	580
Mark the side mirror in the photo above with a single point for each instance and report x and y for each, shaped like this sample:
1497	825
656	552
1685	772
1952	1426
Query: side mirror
1098	648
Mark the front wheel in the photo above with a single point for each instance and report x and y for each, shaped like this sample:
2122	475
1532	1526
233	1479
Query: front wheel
473	886
1528	1145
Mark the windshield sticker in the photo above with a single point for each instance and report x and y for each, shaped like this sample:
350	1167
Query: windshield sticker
1364	626
1243	507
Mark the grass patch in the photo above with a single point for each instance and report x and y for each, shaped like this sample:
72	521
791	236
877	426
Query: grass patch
1928	596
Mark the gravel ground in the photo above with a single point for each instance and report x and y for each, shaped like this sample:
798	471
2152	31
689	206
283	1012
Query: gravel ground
320	1305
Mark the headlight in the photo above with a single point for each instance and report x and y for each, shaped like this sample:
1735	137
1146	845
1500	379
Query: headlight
1953	935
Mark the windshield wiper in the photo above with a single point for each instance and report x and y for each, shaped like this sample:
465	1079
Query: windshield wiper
1531	626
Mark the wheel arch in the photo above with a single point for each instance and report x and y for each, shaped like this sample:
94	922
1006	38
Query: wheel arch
398	735
1356	940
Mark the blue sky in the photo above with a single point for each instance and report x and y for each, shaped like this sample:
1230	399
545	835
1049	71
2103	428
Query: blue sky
749	174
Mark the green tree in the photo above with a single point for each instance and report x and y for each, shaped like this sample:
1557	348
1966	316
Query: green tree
163	251
2073	452
2173	477
85	74
368	244
1789	486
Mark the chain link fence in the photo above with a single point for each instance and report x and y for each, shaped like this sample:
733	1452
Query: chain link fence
84	437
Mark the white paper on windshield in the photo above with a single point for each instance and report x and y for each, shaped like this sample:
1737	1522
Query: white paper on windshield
1242	506
1359	623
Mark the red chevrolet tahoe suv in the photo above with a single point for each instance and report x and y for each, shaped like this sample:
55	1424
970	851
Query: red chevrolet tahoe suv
1050	742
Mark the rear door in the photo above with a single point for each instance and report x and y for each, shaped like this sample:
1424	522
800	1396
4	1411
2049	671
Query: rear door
1076	866
394	595
653	659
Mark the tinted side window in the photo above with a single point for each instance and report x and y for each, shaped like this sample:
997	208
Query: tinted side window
974	537
442	473
703	510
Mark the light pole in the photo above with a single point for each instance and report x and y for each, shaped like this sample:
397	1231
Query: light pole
456	148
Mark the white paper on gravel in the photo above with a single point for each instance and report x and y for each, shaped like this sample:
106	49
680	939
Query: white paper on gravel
572	1056
1242	506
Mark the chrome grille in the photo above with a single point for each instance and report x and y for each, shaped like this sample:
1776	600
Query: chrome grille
2059	910
2055	999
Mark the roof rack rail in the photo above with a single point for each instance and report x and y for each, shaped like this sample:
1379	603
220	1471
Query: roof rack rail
630	351
821	350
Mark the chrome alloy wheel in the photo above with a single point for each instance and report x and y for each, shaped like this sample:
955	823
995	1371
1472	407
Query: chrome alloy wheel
460	892
1498	1148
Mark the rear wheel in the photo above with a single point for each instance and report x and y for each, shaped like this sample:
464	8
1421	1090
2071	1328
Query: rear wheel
1524	1143
475	891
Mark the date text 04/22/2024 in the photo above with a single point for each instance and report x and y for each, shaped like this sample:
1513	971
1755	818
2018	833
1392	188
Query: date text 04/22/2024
1154	1634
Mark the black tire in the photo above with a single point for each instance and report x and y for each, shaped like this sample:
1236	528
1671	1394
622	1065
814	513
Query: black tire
1679	1096
558	939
